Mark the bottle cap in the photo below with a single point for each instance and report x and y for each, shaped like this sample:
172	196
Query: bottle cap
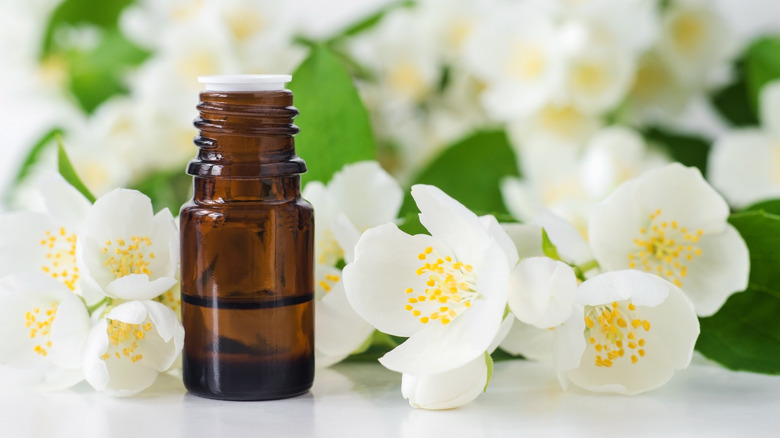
244	82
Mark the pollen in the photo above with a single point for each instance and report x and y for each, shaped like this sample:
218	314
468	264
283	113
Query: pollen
123	339
39	322
666	250
128	259
609	333
448	288
61	257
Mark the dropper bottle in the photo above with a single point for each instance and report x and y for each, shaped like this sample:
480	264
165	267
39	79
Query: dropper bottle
247	246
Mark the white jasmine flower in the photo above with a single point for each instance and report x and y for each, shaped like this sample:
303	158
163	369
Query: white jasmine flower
456	387
628	334
744	164
446	292
694	41
447	390
43	326
358	197
32	242
125	251
130	345
670	222
519	60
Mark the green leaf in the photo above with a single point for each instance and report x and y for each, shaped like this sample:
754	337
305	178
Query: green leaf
335	128
470	171
733	103
33	156
771	206
167	189
98	74
410	224
489	363
687	149
762	65
371	20
103	14
69	173
745	333
548	248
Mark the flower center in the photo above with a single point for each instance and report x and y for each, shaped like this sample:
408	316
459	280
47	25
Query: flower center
612	329
328	282
125	336
665	249
61	257
328	249
689	31
129	259
450	289
528	62
39	322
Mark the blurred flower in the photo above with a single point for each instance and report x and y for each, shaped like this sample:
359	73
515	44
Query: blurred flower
359	196
744	164
670	222
130	345
446	292
43	327
519	60
568	181
628	334
32	242
125	251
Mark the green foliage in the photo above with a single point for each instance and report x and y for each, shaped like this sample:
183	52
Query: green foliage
733	103
69	173
371	20
335	128
771	206
489	363
548	248
470	171
762	65
687	149
94	74
745	333
167	189
33	156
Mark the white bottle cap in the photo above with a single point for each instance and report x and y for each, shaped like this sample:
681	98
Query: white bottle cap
244	82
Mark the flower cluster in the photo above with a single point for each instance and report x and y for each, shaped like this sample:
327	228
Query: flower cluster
82	287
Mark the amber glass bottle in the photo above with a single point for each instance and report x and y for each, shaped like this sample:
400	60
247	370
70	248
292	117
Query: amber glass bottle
247	247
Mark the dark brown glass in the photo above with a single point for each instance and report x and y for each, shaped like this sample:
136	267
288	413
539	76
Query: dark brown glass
247	241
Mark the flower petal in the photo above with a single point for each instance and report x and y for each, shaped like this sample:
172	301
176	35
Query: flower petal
531	342
138	287
542	292
69	332
642	289
527	239
367	194
722	269
386	261
446	390
66	204
449	221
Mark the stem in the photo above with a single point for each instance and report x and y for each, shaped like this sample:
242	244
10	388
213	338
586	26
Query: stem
580	270
97	305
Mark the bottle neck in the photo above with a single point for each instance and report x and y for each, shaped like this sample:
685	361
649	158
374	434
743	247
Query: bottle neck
275	190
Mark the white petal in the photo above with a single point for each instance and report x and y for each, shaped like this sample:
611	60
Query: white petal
741	166
346	235
769	107
340	330
569	345
385	266
367	194
520	199
642	289
138	287
449	221
69	332
568	241
95	369
497	232
133	312
446	390
531	342
542	292
722	269
119	213
527	239
66	204
20	242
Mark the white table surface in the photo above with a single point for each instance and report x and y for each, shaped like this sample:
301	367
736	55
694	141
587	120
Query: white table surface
364	399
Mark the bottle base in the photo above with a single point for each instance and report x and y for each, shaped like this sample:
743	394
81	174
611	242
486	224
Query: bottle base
247	397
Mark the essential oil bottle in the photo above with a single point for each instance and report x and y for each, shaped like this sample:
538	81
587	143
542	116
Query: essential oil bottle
247	240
